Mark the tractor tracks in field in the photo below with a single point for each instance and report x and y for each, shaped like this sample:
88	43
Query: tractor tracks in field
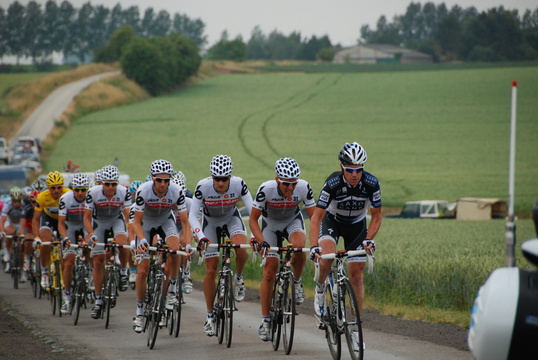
293	102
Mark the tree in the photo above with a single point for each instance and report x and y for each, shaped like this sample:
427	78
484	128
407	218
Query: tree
257	45
66	36
48	32
282	47
147	22
188	58
15	29
143	62
162	24
449	39
33	21
131	17
3	33
235	50
82	31
309	50
113	49
192	29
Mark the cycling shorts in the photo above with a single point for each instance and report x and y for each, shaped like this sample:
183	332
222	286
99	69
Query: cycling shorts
273	231
353	234
233	224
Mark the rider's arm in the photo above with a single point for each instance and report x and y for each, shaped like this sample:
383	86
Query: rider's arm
254	225
62	229
36	221
186	226
88	221
375	223
193	215
2	222
315	224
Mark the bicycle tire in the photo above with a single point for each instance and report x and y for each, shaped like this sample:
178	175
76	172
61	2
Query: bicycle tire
332	331
79	295
15	265
218	308
179	294
276	314
352	320
52	286
229	309
156	313
109	290
288	313
59	288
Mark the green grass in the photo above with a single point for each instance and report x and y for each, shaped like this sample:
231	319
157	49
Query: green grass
442	135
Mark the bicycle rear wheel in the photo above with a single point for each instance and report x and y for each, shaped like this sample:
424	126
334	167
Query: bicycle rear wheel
332	331
352	321
276	314
59	286
288	313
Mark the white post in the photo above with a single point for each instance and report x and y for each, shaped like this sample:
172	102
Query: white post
510	233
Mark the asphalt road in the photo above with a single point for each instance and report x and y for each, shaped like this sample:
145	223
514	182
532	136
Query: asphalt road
93	341
41	122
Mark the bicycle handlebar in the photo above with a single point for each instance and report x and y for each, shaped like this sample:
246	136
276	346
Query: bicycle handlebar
281	249
341	254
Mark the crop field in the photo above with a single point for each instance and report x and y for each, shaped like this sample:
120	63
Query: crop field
10	81
428	134
441	135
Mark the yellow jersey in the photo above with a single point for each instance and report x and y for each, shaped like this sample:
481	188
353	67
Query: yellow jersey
45	203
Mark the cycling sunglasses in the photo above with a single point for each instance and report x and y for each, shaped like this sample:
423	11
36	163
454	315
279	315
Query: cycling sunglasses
352	170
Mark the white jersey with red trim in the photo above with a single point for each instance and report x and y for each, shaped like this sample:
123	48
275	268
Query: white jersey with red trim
71	208
155	207
275	206
216	205
103	208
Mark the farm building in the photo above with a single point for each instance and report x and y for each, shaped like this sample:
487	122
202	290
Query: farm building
379	53
480	209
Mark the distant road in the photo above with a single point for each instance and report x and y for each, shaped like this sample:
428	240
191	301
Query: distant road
41	122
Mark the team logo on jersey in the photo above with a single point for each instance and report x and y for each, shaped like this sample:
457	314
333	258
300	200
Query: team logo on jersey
333	182
139	200
226	196
260	196
89	199
61	206
351	205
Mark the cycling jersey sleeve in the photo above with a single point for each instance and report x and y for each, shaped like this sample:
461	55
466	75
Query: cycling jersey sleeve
197	202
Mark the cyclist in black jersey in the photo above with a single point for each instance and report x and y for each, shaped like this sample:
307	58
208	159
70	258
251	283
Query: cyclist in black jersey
341	212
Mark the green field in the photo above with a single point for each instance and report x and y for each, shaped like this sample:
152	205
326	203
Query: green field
10	81
429	134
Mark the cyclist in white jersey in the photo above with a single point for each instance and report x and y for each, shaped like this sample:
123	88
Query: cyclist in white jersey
107	207
71	228
153	216
185	239
341	211
218	196
277	202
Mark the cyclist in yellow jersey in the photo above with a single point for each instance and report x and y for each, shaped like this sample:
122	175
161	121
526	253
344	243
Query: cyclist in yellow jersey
45	219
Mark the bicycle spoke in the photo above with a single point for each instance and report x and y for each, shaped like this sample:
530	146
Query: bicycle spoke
288	314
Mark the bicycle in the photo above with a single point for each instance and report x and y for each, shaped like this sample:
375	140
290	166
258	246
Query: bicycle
35	272
80	292
15	267
224	303
174	315
112	276
55	275
340	314
283	299
155	297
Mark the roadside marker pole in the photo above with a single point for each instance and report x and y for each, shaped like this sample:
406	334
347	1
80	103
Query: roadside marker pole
510	233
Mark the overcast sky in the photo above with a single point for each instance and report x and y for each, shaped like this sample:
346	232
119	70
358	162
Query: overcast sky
341	20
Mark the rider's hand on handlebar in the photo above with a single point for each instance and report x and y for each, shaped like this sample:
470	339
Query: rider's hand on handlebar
368	245
254	244
202	244
37	241
315	252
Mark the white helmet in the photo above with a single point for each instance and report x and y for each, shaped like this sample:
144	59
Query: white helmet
352	154
287	168
80	180
97	176
161	167
180	179
110	173
221	165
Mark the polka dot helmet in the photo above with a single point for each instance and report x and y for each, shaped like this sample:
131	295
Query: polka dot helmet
110	173
221	165
287	168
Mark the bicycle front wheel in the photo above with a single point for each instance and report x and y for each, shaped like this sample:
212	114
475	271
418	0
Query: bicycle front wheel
16	265
332	330
79	295
156	313
110	293
276	314
288	313
352	321
229	308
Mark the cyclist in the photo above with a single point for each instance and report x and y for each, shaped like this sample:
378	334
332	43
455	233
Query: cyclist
45	219
107	207
185	239
153	216
71	228
277	202
27	213
10	222
341	212
218	196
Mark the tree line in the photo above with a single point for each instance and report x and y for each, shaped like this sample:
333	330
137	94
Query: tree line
37	32
459	34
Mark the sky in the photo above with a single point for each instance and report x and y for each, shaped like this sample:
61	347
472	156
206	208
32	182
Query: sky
341	20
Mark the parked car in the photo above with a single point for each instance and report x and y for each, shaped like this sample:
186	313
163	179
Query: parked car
427	209
5	152
26	142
